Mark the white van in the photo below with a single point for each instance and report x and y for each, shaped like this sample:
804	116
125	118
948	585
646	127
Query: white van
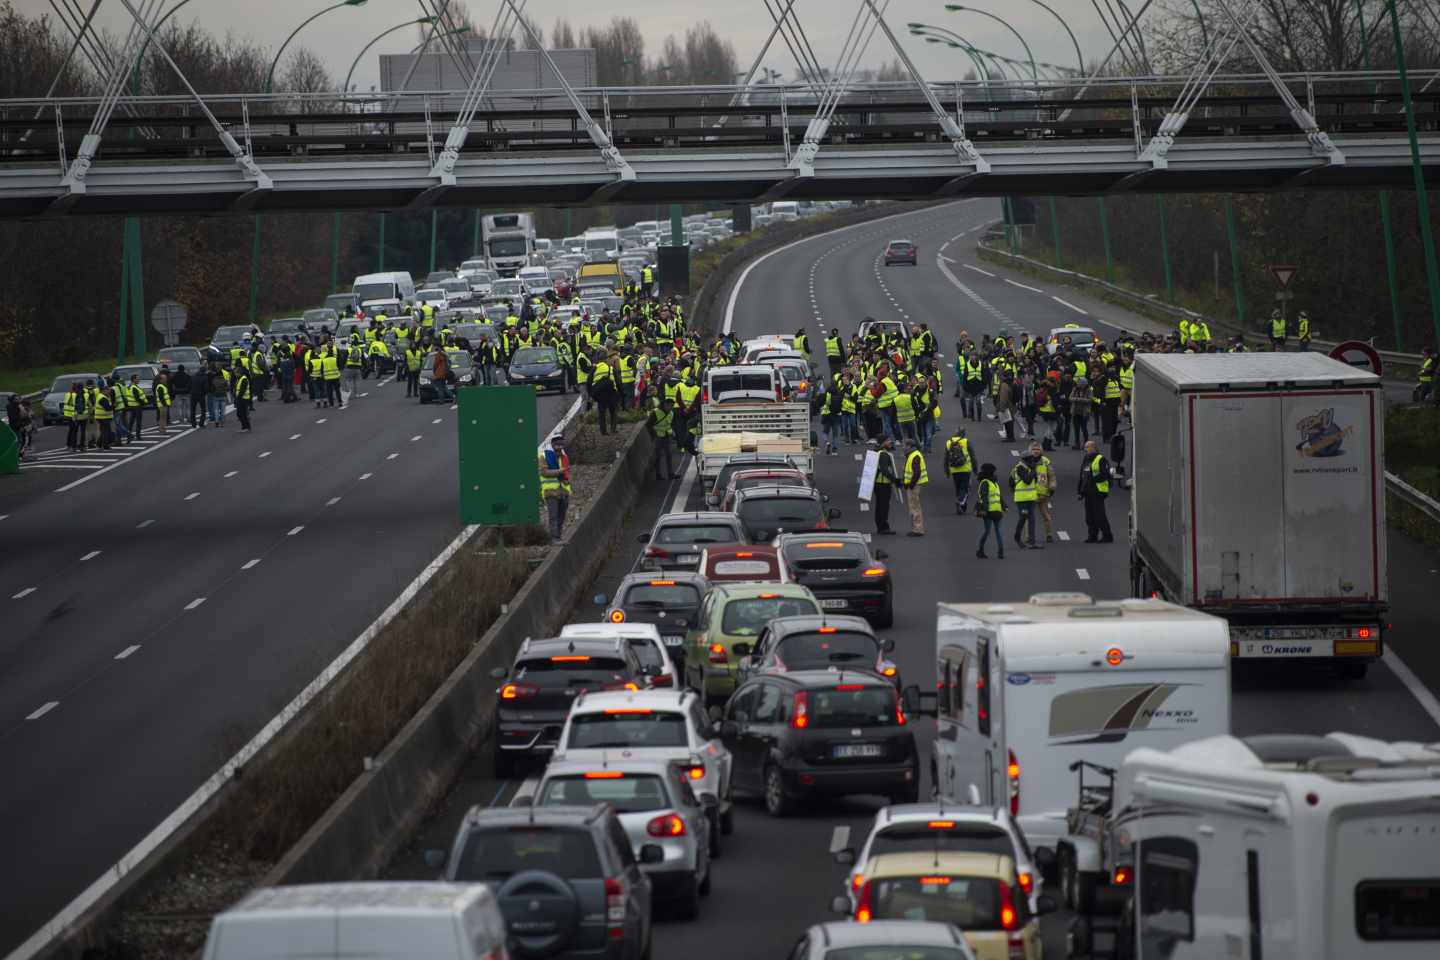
602	244
395	285
1025	689
331	921
784	210
1286	847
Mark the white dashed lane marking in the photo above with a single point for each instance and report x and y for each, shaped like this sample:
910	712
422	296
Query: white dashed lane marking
1082	573
1023	286
143	524
392	456
124	654
43	710
194	603
264	455
295	530
416	437
436	420
971	266
295	436
232	473
251	564
1062	535
23	593
332	501
193	495
1064	303
322	420
366	476
90	556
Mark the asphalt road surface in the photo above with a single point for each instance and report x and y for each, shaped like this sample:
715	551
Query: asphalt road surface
158	614
776	876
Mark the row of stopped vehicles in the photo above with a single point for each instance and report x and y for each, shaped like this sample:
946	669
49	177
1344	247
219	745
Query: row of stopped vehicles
1104	728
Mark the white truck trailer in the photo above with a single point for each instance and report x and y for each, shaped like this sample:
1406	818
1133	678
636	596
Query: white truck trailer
509	241
1259	496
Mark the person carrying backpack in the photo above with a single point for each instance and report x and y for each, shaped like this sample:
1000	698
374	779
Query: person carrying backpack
960	465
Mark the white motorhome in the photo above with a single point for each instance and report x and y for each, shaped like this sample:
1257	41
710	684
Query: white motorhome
394	285
1025	689
1286	847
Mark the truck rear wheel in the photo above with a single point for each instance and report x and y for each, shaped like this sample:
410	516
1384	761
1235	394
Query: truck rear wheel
1352	669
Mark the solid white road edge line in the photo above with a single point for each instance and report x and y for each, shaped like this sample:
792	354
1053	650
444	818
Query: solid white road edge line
56	925
1418	690
687	483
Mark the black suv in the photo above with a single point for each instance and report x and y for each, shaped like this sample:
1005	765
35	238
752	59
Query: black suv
818	643
534	698
769	510
566	879
820	732
842	572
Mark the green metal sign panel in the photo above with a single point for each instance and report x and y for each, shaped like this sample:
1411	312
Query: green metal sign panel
499	477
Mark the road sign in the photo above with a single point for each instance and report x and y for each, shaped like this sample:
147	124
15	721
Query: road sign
1359	354
1282	275
499	476
169	318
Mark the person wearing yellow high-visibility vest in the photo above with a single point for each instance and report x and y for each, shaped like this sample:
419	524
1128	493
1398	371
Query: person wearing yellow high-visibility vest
914	480
989	507
660	424
554	465
1425	383
1094	488
1024	490
1045	482
960	464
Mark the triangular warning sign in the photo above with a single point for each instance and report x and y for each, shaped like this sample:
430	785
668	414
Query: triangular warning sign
1283	275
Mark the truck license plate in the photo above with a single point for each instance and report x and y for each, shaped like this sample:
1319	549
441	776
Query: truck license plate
1287	648
844	750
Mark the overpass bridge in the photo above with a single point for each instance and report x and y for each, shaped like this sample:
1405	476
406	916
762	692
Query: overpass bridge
285	152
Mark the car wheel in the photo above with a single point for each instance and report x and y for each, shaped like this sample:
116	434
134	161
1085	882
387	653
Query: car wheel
504	765
714	840
777	803
1067	877
688	906
709	872
886	617
727	820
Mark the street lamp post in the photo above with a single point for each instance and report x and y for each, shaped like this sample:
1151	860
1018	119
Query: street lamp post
957	8
934	34
345	88
1422	199
270	76
1079	58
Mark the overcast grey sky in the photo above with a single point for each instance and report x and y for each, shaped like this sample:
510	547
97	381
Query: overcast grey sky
339	35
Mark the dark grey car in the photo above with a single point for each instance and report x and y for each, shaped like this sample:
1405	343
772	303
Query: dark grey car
567	880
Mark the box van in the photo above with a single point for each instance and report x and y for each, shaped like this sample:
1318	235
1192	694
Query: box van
397	285
1290	847
602	245
1025	689
784	210
330	921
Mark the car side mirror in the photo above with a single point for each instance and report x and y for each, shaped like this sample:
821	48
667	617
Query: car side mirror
741	649
841	906
642	538
652	853
845	856
499	673
921	703
888	645
1045	904
1045	859
729	730
715	714
882	555
833	513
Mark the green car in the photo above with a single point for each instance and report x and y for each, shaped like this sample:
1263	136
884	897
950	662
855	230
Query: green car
736	613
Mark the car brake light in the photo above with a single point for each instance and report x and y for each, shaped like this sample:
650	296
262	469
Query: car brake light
666	825
570	659
656	552
827	629
620	711
718	654
857	881
935	881
1121	876
1027	882
862	906
696	771
823	545
875	571
746	555
604	775
615	908
899	709
941	824
888	670
1009	919
662	583
1012	771
769	596
800	711
851	686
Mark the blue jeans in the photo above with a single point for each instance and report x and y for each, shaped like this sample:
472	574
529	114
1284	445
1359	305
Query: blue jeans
927	434
832	432
849	427
1025	514
992	523
215	405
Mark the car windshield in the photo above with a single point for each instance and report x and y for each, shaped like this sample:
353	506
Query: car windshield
509	247
896	951
506	288
570	670
627	793
958	836
662	594
178	354
695	533
780	513
805	651
454	286
496	854
761	568
899	246
282	327
430	296
971	903
853	706
534	355
628	728
62	384
723	383
747	616
375	291
231	332
321	315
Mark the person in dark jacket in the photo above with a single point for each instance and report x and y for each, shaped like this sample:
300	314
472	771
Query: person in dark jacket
199	389
180	382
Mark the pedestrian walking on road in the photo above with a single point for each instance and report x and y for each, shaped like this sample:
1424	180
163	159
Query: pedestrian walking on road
1094	488
196	385
661	425
990	508
960	465
916	477
74	410
216	388
1044	488
887	478
1025	491
134	406
163	399
555	486
243	399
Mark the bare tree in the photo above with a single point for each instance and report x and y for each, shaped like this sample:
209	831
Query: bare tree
619	51
305	73
708	59
31	53
562	35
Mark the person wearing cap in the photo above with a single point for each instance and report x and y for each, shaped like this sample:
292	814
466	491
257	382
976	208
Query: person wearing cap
960	464
1277	330
554	465
1302	331
886	479
990	508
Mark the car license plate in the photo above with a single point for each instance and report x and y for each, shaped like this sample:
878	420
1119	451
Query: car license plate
834	604
688	559
672	640
844	750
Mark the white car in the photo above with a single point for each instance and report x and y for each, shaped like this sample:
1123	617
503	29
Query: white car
921	827
656	806
1081	338
657	725
643	638
437	297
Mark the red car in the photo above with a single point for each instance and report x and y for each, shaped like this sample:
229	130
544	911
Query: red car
744	564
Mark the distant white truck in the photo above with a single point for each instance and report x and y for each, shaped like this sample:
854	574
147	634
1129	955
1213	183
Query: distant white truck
1281	848
509	240
1259	496
1026	689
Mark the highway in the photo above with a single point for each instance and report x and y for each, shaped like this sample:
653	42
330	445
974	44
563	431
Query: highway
776	876
160	612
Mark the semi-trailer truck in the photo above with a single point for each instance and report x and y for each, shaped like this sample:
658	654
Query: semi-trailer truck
509	241
1258	496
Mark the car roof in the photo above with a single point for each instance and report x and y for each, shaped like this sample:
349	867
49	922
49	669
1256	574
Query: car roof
746	590
479	816
545	646
697	516
679	576
618	762
731	551
900	813
777	490
625	630
821	536
391	897
926	863
829	678
900	240
632	699
917	933
810	622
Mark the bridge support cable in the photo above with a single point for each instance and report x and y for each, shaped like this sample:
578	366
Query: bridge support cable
435	28
73	178
507	16
787	22
742	96
953	127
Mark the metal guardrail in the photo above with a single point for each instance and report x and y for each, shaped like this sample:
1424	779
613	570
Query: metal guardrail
1155	304
1412	497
